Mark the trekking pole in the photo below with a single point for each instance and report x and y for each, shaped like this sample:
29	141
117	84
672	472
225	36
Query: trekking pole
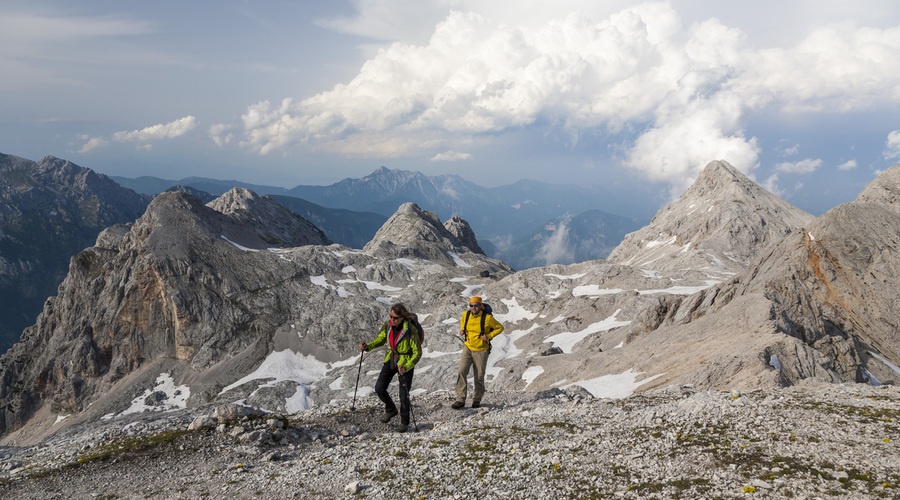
358	371
409	396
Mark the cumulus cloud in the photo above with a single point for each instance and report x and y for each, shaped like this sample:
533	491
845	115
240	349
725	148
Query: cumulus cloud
451	156
169	130
893	145
771	184
173	129
847	165
806	166
92	143
676	96
221	134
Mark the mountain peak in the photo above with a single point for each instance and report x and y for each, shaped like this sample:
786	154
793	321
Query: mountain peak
884	190
275	224
720	179
719	223
413	232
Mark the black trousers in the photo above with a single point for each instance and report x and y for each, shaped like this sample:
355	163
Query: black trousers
381	389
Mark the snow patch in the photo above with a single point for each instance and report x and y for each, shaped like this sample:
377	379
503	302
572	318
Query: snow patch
567	340
407	263
531	373
774	363
656	243
515	312
594	291
881	358
566	276
239	246
288	365
680	290
457	259
618	386
170	396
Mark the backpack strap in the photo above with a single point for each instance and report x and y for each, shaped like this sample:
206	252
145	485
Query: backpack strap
483	317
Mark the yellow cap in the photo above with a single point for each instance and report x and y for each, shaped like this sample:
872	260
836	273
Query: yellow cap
475	300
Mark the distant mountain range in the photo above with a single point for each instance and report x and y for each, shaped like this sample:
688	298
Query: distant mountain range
52	209
524	224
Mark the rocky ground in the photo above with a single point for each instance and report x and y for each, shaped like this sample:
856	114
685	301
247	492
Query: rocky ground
811	441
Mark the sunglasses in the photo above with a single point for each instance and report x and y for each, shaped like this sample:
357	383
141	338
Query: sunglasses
394	317
474	305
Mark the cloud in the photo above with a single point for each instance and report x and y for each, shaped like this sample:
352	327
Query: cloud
92	143
673	96
173	129
806	166
221	134
555	248
893	145
771	184
847	165
169	130
451	156
31	42
28	28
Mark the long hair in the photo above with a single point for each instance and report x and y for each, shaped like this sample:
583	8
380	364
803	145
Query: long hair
400	310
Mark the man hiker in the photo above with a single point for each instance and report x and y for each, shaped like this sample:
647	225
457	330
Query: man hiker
405	343
477	327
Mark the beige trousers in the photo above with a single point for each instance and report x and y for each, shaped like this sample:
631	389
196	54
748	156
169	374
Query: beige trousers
469	358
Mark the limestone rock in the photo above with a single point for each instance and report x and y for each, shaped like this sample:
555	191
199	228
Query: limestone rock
276	225
717	226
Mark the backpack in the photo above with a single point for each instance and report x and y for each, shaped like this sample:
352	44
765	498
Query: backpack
415	322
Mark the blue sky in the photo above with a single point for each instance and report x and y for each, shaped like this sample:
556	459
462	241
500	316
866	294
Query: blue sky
802	96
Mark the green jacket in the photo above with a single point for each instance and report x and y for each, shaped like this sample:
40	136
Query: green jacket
409	348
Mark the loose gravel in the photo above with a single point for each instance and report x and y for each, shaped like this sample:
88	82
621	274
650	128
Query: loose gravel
810	441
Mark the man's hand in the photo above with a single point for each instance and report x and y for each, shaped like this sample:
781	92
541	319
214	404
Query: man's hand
363	347
401	370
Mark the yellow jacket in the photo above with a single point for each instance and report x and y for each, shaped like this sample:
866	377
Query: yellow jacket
473	341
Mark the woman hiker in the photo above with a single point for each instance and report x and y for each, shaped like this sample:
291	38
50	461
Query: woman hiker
405	343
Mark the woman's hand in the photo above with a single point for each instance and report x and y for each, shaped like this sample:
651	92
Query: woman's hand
363	347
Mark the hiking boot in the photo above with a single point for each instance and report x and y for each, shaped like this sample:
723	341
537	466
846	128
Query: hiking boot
457	405
401	427
388	415
476	404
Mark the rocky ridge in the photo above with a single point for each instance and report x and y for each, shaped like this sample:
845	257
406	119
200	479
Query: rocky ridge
49	211
718	225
